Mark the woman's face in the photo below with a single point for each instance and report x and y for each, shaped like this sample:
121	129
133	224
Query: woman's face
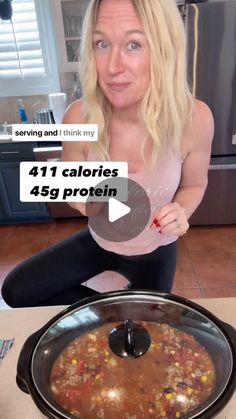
121	53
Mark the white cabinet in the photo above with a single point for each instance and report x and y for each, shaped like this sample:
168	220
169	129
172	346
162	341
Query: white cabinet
68	17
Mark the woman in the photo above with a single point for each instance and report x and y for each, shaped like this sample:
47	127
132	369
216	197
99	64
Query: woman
134	87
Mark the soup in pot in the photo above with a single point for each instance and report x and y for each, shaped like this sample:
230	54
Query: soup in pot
172	378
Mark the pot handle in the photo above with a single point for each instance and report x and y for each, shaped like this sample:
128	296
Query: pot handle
23	377
230	330
129	337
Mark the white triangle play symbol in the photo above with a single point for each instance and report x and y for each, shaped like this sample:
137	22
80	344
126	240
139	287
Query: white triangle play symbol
117	210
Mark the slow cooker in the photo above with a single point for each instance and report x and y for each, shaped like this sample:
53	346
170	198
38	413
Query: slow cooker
127	372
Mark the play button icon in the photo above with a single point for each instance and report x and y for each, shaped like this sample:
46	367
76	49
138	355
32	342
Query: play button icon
116	210
121	217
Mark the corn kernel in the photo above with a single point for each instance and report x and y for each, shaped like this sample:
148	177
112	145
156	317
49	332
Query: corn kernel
177	415
189	391
97	376
169	396
107	353
204	378
112	362
74	361
163	413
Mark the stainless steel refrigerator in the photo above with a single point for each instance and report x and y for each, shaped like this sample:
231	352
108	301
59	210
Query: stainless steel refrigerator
211	32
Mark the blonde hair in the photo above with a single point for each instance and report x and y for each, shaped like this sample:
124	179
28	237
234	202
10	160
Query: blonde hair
168	101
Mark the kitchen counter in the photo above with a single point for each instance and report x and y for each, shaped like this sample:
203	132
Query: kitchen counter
20	323
5	139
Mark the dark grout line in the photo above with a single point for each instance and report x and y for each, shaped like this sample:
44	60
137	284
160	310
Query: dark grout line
194	272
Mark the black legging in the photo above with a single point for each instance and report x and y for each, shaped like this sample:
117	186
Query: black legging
54	276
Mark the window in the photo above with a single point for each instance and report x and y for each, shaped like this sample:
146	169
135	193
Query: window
28	62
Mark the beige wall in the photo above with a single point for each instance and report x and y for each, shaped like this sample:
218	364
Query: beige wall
9	110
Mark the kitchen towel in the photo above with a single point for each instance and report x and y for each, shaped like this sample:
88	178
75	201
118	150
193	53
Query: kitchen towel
57	103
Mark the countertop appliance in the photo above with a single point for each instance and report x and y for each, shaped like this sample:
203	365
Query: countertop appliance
125	342
211	32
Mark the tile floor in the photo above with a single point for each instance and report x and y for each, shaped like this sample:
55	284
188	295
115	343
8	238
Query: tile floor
206	257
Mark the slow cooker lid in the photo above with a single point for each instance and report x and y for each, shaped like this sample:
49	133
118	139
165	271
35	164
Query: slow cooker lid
140	307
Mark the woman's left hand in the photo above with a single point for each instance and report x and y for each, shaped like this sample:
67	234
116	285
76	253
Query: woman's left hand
171	219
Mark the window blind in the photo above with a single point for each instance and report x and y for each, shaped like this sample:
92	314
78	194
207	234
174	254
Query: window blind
20	49
28	62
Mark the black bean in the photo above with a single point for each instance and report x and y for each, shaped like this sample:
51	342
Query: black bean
185	344
168	390
182	384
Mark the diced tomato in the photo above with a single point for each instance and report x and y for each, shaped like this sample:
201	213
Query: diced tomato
88	385
103	344
80	367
